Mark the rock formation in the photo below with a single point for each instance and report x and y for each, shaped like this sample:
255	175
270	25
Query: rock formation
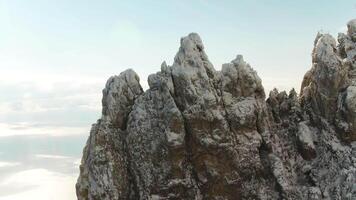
197	133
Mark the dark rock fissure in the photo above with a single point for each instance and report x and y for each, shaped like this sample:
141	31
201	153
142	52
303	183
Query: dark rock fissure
187	140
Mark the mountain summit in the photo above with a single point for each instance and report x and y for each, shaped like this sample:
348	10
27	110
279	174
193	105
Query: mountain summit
198	133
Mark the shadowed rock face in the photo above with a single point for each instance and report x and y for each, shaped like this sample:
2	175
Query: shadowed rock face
197	133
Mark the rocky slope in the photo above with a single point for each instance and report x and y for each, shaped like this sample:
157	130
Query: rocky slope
197	133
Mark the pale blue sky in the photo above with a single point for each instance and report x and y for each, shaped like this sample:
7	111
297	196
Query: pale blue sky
105	37
55	57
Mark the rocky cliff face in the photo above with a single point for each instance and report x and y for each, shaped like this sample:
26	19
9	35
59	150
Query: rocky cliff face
197	133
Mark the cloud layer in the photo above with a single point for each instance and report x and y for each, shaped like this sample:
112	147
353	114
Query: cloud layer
39	167
48	104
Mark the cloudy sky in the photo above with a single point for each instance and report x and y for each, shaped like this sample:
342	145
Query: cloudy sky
55	57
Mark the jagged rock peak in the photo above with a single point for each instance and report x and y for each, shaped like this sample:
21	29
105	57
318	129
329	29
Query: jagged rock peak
119	95
191	49
197	133
241	79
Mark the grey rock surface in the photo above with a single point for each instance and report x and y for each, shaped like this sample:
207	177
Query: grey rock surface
198	133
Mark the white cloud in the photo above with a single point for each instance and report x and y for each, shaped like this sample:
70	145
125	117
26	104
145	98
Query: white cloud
46	80
8	164
48	103
39	184
30	129
49	156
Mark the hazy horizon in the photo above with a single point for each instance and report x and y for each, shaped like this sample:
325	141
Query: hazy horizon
55	58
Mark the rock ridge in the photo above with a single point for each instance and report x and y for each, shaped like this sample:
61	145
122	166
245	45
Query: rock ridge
198	133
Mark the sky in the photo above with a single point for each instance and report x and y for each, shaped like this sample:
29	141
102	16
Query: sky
55	57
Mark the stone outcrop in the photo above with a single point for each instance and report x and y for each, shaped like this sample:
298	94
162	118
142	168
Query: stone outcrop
198	133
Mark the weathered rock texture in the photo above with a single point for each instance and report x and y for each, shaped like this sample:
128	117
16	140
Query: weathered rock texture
197	133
